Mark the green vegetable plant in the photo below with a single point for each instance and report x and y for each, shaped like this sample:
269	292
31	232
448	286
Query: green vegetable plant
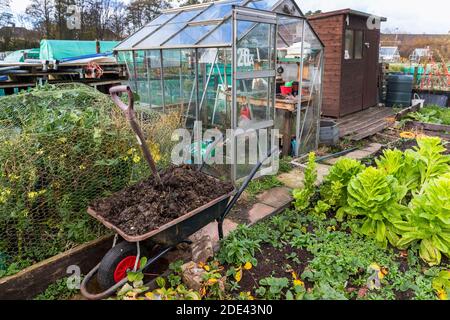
302	197
428	221
376	198
441	284
334	188
272	288
238	249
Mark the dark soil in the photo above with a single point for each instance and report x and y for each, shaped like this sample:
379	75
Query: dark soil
273	262
147	205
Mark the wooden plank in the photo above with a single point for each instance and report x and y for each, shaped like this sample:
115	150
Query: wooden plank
34	280
370	132
364	122
431	126
368	113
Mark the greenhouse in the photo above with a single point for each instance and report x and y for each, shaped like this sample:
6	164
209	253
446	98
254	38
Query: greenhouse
232	64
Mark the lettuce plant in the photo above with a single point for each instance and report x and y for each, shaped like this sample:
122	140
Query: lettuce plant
433	162
428	221
375	196
334	189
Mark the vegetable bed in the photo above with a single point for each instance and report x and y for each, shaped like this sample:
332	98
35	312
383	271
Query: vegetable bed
60	148
375	232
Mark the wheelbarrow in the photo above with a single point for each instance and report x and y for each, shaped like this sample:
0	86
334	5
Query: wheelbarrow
125	255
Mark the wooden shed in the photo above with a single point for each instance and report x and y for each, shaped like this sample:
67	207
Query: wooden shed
352	43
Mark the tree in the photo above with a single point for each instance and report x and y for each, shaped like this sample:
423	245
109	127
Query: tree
117	22
40	13
6	17
191	2
140	12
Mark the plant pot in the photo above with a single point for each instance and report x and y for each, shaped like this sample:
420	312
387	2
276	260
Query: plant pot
329	132
285	91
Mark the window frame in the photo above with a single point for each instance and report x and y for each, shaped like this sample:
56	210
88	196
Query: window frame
352	51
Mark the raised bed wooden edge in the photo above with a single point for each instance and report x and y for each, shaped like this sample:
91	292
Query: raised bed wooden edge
33	280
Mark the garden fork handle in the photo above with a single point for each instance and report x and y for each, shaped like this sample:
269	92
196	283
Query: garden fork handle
130	115
127	109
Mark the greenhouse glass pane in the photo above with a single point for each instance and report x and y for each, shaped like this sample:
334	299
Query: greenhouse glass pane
262	4
217	11
289	32
222	35
157	38
131	40
186	16
161	19
190	35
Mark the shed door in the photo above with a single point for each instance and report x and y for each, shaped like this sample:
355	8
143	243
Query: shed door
370	91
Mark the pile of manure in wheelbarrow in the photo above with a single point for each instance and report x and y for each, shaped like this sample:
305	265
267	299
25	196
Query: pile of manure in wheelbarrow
148	205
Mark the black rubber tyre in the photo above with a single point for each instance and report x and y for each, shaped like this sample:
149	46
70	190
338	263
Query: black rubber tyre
109	263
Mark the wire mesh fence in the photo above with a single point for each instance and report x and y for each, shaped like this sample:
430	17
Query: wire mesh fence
60	148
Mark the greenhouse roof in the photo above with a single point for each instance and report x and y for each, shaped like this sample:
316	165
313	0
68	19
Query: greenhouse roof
202	25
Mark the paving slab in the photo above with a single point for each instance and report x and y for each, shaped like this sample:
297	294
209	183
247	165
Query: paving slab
322	172
292	179
358	154
276	197
259	211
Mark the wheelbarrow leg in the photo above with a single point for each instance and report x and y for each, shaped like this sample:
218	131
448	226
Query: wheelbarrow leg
220	228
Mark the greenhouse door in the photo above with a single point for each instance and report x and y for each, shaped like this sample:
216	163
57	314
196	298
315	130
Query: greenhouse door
253	84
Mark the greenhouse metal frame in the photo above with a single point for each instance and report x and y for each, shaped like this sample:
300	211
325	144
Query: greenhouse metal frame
182	60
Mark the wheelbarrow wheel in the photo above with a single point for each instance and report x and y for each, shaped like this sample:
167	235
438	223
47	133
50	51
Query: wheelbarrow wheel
116	262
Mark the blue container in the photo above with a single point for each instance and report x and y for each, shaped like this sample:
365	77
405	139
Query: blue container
399	91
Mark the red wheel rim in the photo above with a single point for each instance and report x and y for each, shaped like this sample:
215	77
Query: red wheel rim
122	267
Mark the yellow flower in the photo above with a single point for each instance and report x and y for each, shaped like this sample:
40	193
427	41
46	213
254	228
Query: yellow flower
130	151
248	265
442	294
212	281
407	135
136	159
33	194
238	275
299	282
4	194
12	177
82	167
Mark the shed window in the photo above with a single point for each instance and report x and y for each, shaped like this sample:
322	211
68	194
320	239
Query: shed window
349	44
358	44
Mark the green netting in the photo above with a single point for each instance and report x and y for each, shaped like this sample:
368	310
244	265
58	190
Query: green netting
60	148
60	49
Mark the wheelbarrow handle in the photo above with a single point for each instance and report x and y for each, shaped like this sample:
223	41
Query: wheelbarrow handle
243	187
127	109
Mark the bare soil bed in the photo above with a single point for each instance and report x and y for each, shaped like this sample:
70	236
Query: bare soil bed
147	205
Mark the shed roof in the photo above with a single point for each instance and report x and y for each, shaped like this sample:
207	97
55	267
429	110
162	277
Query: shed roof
201	25
343	12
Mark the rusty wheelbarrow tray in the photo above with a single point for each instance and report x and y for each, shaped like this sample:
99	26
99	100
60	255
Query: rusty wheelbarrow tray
179	229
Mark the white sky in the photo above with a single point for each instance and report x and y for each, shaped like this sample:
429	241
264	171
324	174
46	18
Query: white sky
412	16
